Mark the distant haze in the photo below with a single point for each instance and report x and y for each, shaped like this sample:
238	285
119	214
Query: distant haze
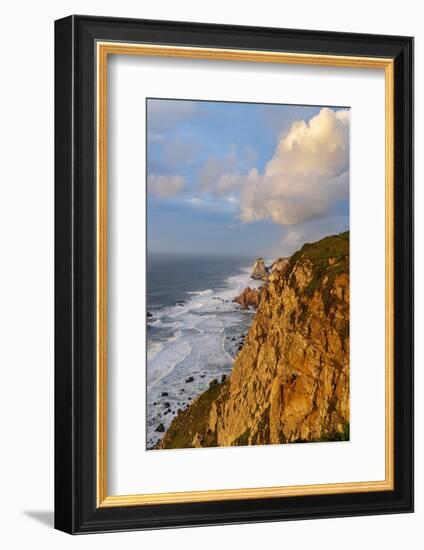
244	179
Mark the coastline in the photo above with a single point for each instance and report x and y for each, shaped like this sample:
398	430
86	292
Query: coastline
246	301
290	380
204	333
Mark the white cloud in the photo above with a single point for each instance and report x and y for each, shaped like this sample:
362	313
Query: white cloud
211	205
164	185
219	176
293	238
308	173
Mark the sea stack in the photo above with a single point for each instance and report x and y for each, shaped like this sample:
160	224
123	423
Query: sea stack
259	271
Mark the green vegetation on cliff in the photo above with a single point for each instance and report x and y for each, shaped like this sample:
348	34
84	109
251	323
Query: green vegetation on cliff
192	421
329	258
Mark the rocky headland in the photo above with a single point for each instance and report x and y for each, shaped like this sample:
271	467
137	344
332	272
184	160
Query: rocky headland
290	379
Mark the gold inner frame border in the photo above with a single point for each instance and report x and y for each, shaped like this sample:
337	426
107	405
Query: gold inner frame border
103	50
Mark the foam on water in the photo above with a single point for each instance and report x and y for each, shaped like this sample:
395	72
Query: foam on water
153	348
165	360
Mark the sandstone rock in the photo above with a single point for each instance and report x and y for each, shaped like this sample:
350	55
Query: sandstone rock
259	270
249	297
279	265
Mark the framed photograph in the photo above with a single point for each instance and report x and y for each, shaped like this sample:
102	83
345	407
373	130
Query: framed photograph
234	274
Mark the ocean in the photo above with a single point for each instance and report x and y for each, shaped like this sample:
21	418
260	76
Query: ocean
194	329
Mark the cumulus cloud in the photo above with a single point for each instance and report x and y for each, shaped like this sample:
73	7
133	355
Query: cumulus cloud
222	176
164	185
308	173
219	176
227	205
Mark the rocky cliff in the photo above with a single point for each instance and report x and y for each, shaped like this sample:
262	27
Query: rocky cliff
279	264
290	381
249	297
259	271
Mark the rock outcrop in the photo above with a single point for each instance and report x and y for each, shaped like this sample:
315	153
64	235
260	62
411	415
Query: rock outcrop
290	381
279	265
259	271
249	297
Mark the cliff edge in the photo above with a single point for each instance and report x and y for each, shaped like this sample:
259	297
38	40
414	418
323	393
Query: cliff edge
290	381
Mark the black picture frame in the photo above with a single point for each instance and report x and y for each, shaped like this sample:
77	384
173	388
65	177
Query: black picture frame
76	510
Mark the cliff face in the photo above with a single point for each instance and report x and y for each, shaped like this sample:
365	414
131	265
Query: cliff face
290	381
279	264
249	297
259	270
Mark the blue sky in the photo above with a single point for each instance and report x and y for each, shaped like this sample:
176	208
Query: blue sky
242	178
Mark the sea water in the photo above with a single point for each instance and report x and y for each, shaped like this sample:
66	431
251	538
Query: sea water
194	329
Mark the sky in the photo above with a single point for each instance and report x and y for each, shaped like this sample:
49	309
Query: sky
244	179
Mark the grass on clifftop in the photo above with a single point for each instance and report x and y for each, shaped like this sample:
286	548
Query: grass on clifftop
333	247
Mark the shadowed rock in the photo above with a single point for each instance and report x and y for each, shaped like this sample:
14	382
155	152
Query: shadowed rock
249	297
259	271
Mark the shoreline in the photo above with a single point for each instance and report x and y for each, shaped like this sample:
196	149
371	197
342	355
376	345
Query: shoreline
289	382
201	314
